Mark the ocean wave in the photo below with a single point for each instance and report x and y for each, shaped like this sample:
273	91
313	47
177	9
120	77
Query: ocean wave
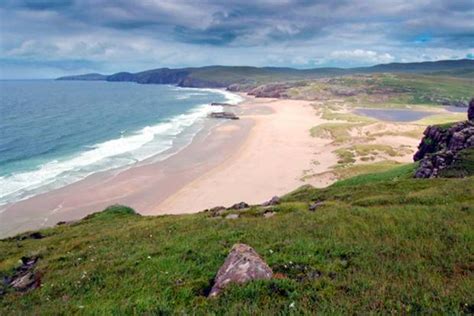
119	152
231	98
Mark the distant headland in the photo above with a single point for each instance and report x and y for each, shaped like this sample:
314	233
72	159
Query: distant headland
239	77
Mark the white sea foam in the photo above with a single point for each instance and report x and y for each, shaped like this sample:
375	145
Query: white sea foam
120	152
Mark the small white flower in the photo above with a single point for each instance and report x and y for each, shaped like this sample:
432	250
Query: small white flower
292	305
149	257
270	251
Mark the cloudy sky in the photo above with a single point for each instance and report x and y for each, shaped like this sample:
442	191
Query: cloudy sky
49	38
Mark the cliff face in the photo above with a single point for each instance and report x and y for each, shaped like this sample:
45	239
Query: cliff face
443	146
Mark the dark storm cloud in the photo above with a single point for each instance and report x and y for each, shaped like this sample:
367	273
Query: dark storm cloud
265	32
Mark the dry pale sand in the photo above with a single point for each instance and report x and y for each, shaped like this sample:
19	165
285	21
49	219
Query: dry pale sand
270	162
268	152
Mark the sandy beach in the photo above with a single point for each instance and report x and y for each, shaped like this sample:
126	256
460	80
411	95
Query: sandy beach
268	152
270	162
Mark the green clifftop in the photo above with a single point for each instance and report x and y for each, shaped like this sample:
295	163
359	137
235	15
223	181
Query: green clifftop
224	76
378	243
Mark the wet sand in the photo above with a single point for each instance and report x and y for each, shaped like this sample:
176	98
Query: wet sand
268	152
142	187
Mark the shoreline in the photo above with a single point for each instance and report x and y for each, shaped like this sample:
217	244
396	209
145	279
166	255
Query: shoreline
259	169
139	186
269	151
133	146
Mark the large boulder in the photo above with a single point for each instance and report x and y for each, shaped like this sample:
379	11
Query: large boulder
242	265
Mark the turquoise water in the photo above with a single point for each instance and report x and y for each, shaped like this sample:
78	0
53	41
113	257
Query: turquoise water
53	133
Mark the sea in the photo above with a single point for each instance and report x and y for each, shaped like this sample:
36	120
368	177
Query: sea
54	133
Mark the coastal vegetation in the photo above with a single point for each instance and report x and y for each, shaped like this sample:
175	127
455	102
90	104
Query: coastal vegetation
377	243
417	83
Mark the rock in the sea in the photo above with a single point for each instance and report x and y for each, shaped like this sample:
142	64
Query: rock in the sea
239	206
470	110
221	104
273	201
224	115
232	216
242	265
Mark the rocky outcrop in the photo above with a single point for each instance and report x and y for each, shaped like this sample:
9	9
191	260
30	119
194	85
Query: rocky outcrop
224	115
273	201
441	145
470	110
221	104
274	90
239	206
25	277
242	265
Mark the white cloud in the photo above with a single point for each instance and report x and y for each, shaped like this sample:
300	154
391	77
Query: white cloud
362	56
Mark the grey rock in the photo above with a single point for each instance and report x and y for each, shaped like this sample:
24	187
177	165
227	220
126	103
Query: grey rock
221	104
232	216
224	115
314	206
217	211
269	214
242	265
440	146
239	206
25	278
273	201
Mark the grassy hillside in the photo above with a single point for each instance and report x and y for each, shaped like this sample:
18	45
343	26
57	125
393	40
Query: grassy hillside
379	243
383	90
248	77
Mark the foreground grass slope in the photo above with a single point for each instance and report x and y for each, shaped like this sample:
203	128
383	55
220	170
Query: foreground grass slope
383	243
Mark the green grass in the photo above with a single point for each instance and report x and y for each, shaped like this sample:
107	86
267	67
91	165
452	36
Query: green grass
390	90
367	152
329	114
339	132
463	166
349	171
441	119
383	243
345	156
391	173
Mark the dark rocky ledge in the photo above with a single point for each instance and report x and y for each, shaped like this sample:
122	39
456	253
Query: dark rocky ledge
442	144
224	115
221	104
